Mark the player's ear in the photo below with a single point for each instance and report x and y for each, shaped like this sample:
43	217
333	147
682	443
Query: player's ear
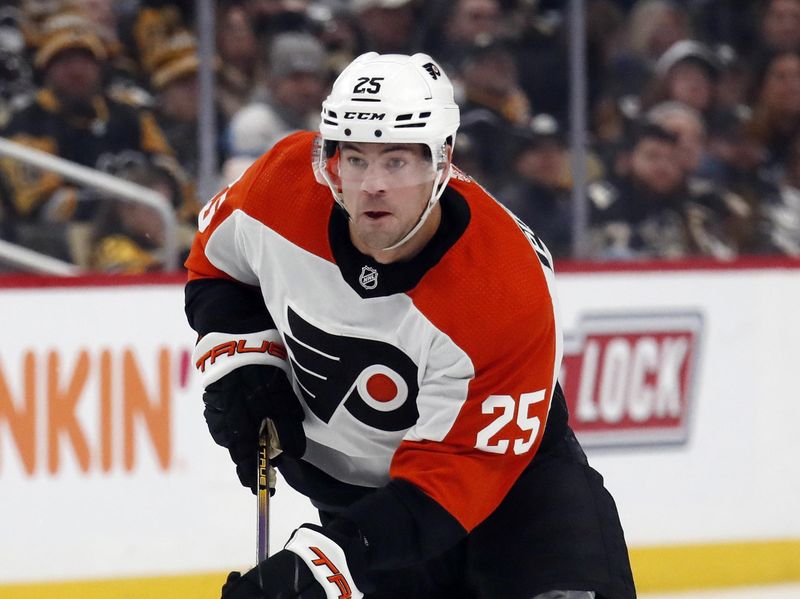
446	154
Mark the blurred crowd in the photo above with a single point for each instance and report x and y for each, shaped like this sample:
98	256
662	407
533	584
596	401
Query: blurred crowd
693	112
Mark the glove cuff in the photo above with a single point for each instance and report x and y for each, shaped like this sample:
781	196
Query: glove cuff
327	562
217	354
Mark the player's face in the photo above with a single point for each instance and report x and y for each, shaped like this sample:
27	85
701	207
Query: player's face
385	188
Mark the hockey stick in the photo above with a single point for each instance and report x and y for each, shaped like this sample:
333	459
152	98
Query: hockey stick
262	545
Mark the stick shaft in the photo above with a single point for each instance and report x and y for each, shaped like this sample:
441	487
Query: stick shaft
262	546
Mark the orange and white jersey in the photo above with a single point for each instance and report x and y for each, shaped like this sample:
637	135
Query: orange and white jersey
438	371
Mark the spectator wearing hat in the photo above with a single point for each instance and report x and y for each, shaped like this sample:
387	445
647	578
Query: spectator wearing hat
175	85
687	72
297	80
649	210
538	190
153	26
124	77
72	117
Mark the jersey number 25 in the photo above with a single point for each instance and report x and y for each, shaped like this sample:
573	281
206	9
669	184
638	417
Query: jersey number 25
486	440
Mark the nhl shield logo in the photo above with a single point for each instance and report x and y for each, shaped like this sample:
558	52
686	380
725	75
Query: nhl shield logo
368	277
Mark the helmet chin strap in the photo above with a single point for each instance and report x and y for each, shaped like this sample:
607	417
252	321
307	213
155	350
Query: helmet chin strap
436	191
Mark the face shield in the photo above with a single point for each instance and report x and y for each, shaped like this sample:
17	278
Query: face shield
375	168
350	169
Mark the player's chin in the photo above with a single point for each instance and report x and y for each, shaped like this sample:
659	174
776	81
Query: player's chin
378	239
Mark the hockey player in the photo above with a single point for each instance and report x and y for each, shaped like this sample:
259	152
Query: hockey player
402	335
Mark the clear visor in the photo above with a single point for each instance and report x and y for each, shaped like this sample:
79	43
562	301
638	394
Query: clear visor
378	167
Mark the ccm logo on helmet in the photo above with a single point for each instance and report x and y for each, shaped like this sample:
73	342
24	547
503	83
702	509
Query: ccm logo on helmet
365	116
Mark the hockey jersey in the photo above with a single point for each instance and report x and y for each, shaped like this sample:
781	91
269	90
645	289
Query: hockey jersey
438	371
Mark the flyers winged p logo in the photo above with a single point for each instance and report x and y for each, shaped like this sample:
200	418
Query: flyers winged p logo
375	381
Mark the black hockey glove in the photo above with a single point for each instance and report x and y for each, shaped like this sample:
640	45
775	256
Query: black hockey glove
312	566
245	381
238	402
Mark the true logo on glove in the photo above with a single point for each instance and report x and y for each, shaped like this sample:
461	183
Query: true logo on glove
336	576
230	348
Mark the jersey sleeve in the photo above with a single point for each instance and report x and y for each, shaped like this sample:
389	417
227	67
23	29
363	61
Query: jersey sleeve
223	293
218	250
272	193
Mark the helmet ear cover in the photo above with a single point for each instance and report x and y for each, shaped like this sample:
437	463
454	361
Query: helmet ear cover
329	148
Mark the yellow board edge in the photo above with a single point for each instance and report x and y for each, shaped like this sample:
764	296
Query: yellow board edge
715	565
661	568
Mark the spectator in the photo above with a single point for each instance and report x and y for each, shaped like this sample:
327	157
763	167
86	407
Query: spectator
693	153
153	28
776	104
493	105
467	23
780	26
780	224
297	83
339	32
125	75
72	117
734	79
272	17
722	23
16	75
687	72
540	51
473	22
128	237
687	124
538	191
241	68
653	26
649	209
175	84
387	26
739	162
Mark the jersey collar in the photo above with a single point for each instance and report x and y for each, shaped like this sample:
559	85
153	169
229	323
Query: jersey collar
369	278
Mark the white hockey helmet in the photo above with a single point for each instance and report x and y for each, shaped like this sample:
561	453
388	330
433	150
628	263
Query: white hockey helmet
389	98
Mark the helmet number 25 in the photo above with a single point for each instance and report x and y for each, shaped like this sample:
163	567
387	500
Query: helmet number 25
488	440
368	85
